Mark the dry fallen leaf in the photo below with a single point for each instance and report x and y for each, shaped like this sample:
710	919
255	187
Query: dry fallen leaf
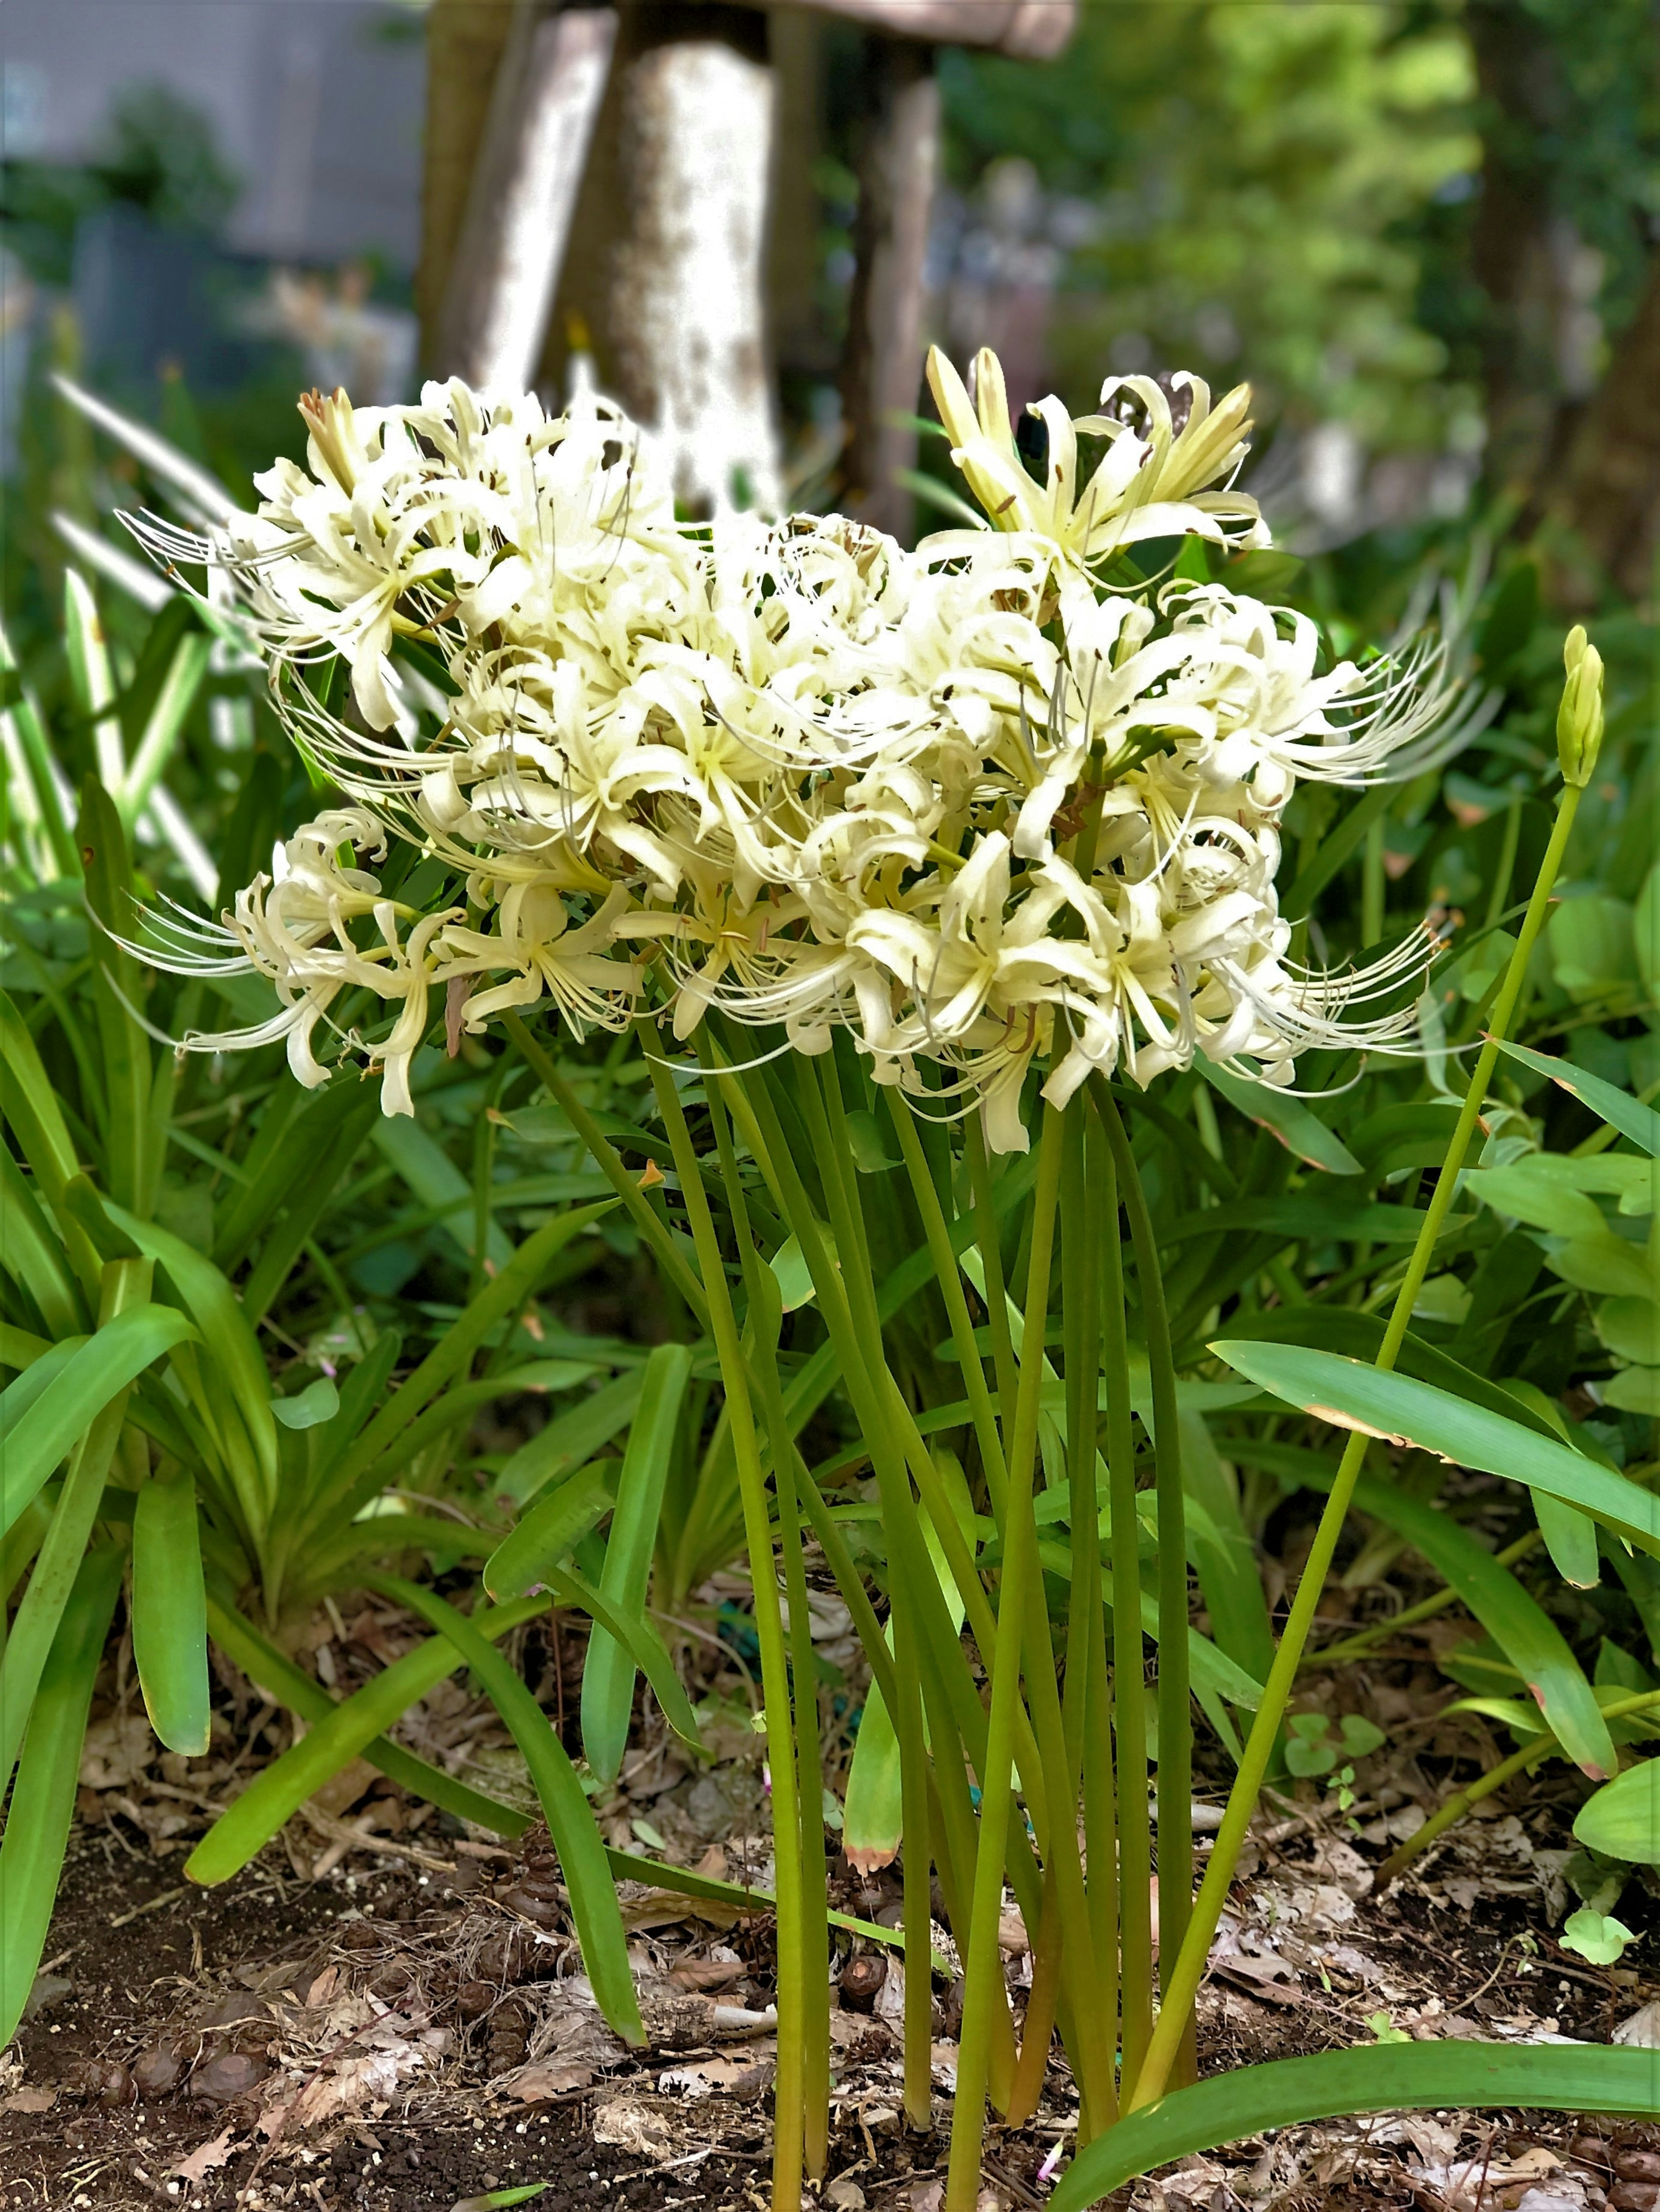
371	2079
205	2157
534	2085
643	2126
29	2100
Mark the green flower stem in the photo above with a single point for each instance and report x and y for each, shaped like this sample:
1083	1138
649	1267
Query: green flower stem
789	2130
1183	1986
921	1624
1058	1751
956	1717
607	1158
1175	1692
765	1313
1039	2027
1100	1821
991	1261
1129	1711
822	1109
1453	1809
1086	1627
919	2011
984	1989
1356	1646
949	1276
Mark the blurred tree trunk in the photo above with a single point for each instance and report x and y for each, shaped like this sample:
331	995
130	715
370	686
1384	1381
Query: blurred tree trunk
466	40
550	82
1512	250
898	157
685	309
1611	496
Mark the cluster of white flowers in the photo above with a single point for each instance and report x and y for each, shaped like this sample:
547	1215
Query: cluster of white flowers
992	801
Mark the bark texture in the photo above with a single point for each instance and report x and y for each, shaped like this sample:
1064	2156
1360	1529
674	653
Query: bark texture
1036	30
550	82
685	308
882	373
1612	493
466	39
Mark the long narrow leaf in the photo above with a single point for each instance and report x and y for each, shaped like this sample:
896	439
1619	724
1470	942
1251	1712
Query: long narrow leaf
1521	1627
1288	1119
291	1686
1405	1411
517	1281
231	1349
1562	2077
550	1531
29	1103
639	1638
555	1451
105	1364
570	1819
608	1675
347	1731
43	1801
1616	1107
169	1613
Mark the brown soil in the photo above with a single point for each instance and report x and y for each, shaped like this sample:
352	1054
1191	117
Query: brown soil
166	2015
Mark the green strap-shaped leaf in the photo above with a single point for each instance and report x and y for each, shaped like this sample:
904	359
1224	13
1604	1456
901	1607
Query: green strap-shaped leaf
1356	1335
1289	1119
637	1636
1523	1631
569	1817
278	1793
570	1438
238	1387
608	1675
1228	1580
32	1255
27	1103
1616	1107
42	1801
1570	1535
174	702
63	1405
122	1104
550	1531
1405	1411
38	1373
169	1613
78	1504
293	1687
1560	2077
517	1281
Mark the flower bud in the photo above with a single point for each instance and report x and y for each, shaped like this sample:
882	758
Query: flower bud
1579	717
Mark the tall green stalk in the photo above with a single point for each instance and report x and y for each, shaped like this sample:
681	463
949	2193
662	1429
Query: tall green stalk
765	1313
789	2127
1182	1985
983	1992
1175	1691
1129	1711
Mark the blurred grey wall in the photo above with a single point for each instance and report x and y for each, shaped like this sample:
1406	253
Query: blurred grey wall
317	105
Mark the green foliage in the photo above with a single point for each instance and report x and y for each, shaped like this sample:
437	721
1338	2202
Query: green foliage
1253	171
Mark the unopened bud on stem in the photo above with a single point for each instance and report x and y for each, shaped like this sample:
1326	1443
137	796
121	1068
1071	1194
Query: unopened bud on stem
1579	717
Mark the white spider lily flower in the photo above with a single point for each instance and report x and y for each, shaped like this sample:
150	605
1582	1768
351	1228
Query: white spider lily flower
966	804
1153	483
573	966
